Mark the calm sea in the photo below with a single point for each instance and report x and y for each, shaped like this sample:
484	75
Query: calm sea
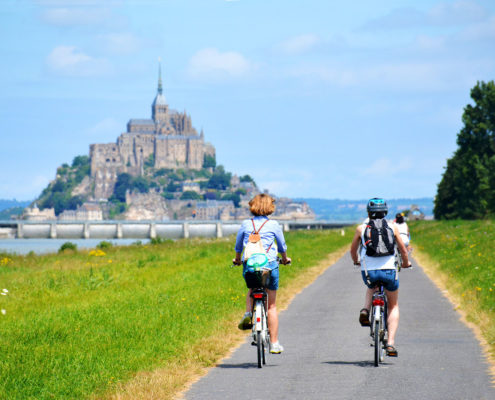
43	246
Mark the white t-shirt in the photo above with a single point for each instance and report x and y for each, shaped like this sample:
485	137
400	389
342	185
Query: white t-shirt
372	263
403	232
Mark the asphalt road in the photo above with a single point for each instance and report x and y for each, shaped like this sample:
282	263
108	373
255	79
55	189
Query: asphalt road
328	355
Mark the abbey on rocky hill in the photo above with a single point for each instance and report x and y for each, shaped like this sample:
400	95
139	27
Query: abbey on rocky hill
167	140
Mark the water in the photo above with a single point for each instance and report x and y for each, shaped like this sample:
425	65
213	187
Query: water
43	246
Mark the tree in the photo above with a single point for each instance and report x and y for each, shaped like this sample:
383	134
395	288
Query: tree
220	179
121	186
467	187
234	197
190	195
209	161
246	178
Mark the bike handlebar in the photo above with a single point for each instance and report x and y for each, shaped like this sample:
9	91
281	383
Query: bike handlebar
279	260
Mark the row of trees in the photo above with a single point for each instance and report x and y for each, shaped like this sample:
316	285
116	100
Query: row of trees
467	188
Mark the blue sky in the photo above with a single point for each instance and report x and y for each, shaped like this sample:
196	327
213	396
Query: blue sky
311	98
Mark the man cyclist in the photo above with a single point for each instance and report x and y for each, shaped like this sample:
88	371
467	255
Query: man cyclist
383	268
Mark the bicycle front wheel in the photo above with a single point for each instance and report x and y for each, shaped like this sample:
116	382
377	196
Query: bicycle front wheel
376	337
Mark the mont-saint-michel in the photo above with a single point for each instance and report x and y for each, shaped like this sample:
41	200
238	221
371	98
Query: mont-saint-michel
160	168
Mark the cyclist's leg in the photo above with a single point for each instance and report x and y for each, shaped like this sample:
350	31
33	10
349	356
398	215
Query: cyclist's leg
272	315
393	315
249	301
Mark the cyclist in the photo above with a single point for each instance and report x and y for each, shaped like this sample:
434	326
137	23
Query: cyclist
403	230
374	269
270	232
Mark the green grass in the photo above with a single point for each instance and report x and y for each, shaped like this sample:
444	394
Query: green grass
79	322
464	252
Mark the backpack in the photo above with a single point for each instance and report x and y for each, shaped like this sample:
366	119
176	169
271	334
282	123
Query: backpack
379	238
254	245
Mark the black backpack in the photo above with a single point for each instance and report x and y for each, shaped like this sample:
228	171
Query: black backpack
379	238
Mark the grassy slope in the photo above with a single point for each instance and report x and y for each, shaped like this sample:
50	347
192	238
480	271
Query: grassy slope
81	323
463	258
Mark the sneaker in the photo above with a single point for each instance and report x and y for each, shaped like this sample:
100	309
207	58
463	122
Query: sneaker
245	322
276	348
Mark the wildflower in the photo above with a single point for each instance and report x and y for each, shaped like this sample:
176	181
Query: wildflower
5	290
3	311
97	253
478	288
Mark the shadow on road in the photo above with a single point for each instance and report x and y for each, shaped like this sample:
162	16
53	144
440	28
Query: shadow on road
364	364
241	366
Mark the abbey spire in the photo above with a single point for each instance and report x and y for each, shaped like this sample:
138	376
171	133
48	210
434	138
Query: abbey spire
159	108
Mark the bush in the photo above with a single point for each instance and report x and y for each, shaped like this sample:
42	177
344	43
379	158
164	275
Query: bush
190	195
67	246
104	244
160	240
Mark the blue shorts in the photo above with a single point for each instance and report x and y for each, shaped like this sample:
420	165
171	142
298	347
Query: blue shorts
387	276
274	274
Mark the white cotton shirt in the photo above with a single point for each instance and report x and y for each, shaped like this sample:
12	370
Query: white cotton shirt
403	232
374	263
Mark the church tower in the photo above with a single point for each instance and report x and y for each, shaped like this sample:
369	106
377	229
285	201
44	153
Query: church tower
159	108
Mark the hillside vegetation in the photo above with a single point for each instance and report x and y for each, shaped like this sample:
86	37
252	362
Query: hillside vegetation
213	181
80	323
463	256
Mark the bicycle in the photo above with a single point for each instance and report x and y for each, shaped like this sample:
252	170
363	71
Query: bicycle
260	331
257	280
378	323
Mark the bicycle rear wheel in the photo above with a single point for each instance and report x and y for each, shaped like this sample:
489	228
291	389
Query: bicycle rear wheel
259	345
377	343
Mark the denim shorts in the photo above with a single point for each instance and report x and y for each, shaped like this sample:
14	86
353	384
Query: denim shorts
273	280
387	276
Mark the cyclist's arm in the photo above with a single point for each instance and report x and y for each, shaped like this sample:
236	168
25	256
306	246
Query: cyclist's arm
355	244
237	259
402	249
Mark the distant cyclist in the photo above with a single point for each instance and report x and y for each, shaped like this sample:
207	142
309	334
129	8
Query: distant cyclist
403	230
273	242
379	267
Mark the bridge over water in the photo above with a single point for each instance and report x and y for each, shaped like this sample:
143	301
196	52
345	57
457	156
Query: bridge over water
138	229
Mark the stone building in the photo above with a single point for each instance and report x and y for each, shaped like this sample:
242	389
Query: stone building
35	214
86	212
167	140
215	209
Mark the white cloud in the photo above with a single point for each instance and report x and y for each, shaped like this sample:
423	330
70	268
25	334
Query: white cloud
211	63
68	60
430	75
456	13
300	44
75	16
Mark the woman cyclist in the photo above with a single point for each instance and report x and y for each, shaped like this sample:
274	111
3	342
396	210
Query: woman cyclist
273	242
403	230
374	269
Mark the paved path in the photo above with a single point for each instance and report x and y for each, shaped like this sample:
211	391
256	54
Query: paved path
328	355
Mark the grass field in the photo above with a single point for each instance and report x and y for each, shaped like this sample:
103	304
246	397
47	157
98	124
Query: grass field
462	253
80	324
